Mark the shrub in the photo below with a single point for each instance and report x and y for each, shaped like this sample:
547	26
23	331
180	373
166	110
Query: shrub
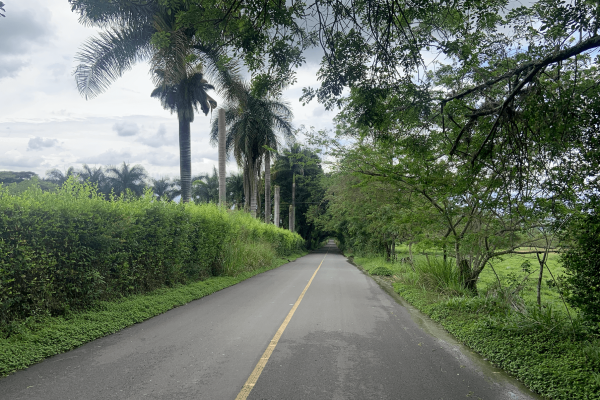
68	249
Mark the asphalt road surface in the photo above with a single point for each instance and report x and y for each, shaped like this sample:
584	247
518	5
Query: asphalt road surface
289	333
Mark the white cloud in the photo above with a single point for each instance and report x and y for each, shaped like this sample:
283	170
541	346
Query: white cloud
109	157
14	159
38	143
159	139
126	128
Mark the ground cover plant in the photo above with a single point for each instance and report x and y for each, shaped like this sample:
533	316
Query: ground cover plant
553	352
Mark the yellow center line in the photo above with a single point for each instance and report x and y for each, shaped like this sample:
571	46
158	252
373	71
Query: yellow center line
253	378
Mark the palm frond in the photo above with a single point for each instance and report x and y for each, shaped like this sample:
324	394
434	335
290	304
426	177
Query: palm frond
105	58
115	12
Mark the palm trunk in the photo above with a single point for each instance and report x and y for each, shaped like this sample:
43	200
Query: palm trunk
254	193
247	185
185	159
293	221
267	187
222	173
276	211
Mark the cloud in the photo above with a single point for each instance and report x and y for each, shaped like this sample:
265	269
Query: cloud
160	158
109	157
157	140
126	128
11	66
38	143
21	30
209	155
13	158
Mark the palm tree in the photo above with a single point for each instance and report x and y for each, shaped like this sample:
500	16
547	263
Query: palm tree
163	188
57	176
126	178
255	126
184	98
205	189
235	188
149	32
95	176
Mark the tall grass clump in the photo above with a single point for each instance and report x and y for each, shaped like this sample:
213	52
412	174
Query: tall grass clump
433	273
69	249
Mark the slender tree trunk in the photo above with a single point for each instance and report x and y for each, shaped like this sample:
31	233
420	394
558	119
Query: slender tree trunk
185	159
247	190
222	172
276	211
267	187
254	193
541	261
293	221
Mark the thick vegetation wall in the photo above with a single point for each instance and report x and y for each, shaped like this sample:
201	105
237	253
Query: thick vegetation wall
69	249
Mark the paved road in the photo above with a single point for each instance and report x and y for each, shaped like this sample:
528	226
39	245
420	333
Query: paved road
347	339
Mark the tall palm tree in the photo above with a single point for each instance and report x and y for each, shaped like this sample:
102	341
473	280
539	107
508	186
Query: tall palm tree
184	98
148	31
256	126
124	178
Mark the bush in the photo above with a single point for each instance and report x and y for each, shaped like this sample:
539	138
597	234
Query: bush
71	248
582	265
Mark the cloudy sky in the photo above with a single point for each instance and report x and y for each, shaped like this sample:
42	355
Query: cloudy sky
45	123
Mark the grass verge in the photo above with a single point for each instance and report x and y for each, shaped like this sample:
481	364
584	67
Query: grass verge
542	348
35	339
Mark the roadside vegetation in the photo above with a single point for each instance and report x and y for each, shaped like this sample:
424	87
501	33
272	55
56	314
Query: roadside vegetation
548	349
70	260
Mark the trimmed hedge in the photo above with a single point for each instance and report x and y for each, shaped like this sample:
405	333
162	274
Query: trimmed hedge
69	249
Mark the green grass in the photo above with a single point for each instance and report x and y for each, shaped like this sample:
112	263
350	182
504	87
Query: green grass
509	269
36	338
542	348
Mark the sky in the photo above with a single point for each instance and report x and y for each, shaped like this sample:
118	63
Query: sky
45	123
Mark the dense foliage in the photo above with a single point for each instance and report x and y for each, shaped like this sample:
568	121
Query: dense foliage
68	249
582	265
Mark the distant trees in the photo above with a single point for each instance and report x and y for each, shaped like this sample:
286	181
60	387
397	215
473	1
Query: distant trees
59	177
126	178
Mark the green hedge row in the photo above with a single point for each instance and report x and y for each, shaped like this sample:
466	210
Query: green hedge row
69	249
